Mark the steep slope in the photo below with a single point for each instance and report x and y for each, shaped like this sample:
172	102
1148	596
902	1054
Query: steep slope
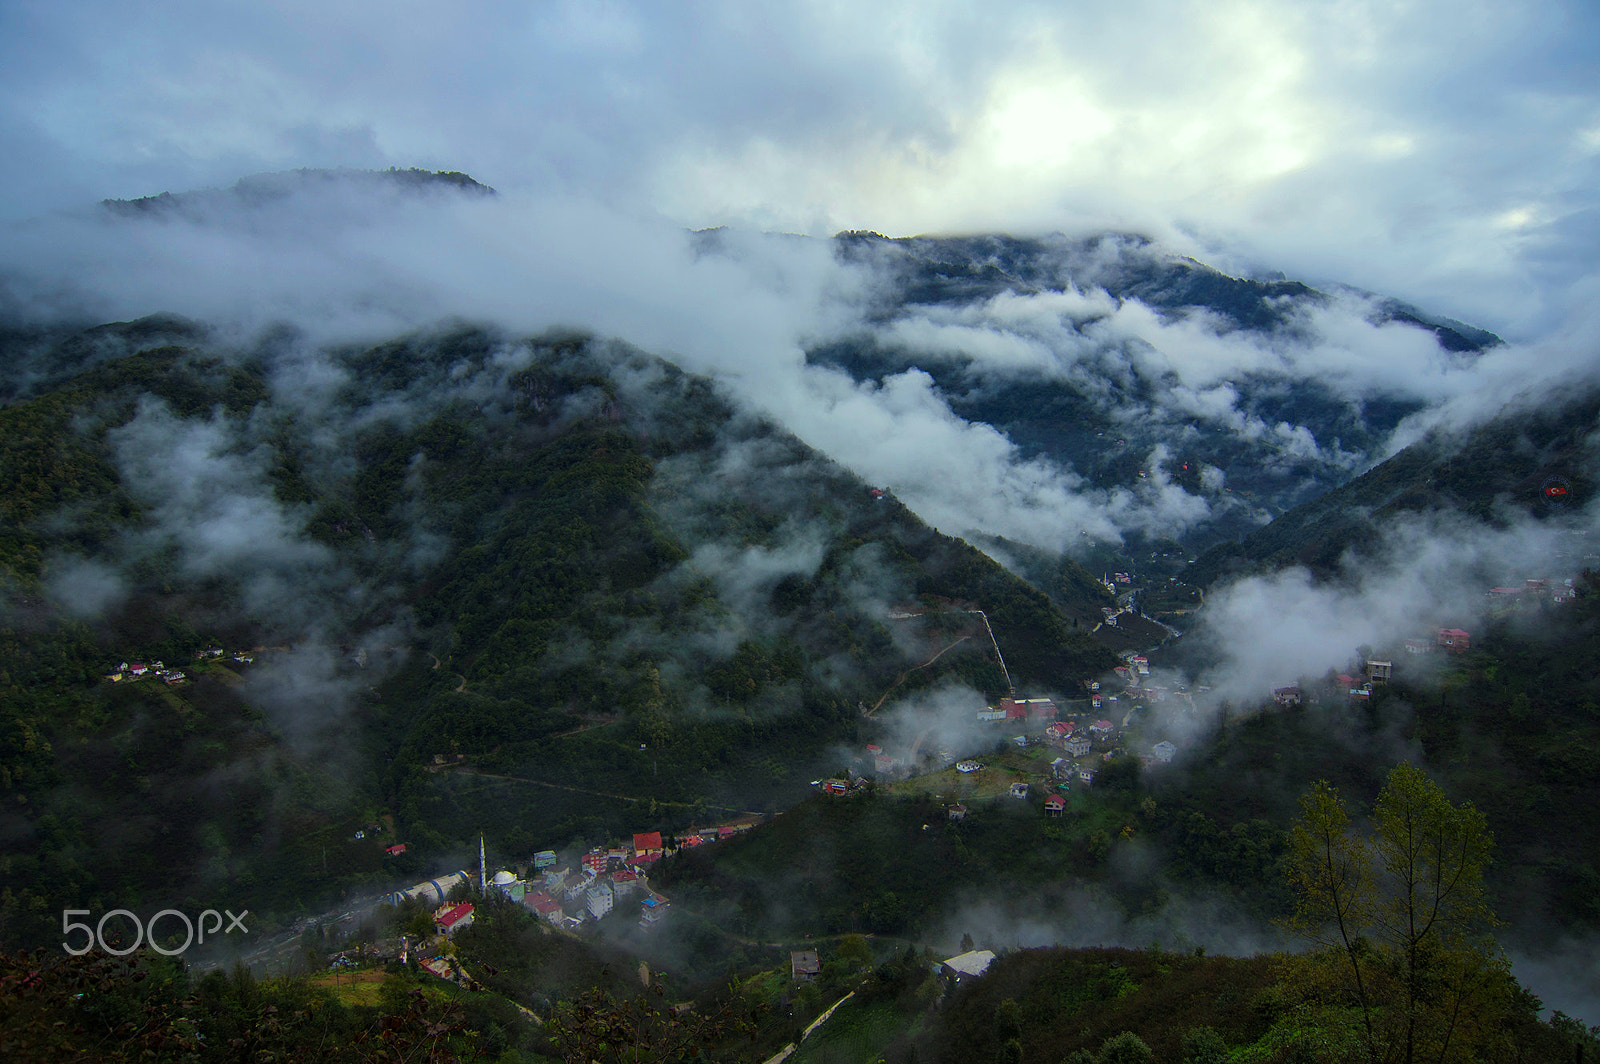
1097	353
1533	459
521	558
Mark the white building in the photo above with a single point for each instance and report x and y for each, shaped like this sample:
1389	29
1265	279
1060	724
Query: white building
600	899
968	965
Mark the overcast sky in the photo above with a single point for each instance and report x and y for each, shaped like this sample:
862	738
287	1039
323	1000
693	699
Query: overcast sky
1442	150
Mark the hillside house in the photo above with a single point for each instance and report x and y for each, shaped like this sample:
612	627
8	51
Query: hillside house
1086	773
1419	646
804	965
1041	711
396	850
1455	639
448	919
1054	805
596	860
1287	695
647	844
1100	730
1061	768
623	882
835	786
545	906
1378	671
957	811
1078	746
968	766
652	910
1019	790
968	965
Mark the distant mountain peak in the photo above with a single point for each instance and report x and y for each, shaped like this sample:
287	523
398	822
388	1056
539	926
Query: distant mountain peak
260	189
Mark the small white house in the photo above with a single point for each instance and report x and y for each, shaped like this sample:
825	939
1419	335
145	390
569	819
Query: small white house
967	965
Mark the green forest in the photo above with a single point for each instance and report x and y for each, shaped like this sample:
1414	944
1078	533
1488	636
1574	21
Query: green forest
523	579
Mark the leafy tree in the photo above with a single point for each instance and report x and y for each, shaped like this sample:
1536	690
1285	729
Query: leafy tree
1401	918
1124	1048
1008	1019
854	951
1203	1045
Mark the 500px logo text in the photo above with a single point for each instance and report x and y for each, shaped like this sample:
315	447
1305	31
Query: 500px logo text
97	933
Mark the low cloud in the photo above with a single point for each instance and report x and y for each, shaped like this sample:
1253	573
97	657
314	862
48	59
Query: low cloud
82	587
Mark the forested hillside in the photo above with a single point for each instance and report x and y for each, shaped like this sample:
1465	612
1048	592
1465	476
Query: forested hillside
440	576
1533	459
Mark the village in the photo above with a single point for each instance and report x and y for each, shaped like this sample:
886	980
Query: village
123	672
1017	749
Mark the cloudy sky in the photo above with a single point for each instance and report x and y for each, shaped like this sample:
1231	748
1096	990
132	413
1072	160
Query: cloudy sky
1446	152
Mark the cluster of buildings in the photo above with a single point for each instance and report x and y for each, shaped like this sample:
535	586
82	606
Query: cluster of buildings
123	671
1532	593
601	881
568	897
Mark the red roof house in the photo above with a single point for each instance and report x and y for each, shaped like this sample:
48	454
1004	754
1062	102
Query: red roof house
1454	638
644	845
396	850
453	918
1054	804
544	905
1041	710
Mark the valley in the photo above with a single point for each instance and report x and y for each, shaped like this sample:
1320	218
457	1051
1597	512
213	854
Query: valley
295	626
